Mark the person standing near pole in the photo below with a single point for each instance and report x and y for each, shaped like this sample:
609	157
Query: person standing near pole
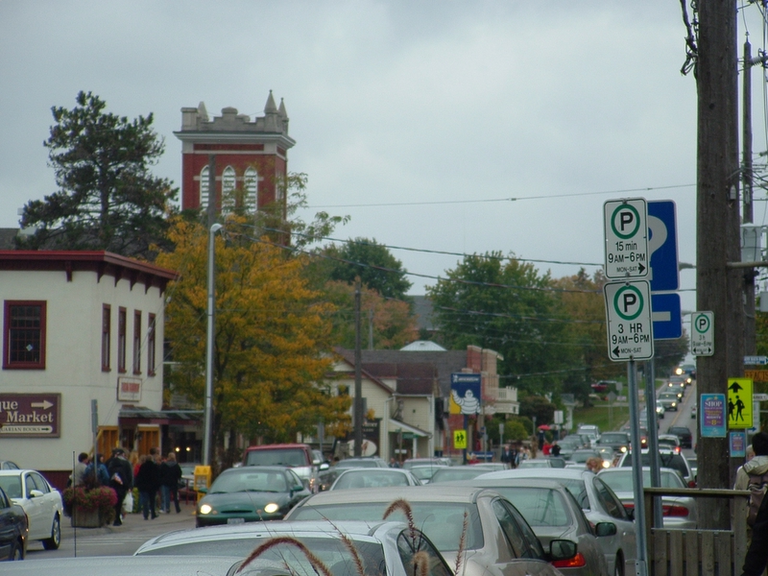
120	479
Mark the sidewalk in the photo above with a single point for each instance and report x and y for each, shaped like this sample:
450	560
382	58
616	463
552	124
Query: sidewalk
135	522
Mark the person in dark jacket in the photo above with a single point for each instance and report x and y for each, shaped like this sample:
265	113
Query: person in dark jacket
120	479
170	475
148	481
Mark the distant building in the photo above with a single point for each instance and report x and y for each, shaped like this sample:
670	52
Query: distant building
78	328
249	156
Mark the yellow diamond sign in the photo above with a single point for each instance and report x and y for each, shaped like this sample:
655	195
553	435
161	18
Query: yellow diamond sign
739	403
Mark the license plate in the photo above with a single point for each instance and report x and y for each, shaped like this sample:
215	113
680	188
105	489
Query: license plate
235	520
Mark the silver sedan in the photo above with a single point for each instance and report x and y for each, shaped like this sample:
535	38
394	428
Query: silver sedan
475	529
374	478
383	547
599	504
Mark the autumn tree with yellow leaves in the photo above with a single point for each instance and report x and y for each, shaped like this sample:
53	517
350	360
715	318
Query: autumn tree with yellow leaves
271	334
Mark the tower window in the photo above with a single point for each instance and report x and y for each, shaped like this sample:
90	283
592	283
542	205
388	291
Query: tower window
204	188
251	189
228	185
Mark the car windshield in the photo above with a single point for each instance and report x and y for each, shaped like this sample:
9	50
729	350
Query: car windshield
276	457
11	485
609	438
357	464
457	473
250	481
442	522
623	480
332	551
581	456
370	479
666	460
539	506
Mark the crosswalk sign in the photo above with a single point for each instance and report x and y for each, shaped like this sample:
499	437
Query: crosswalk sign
460	439
739	403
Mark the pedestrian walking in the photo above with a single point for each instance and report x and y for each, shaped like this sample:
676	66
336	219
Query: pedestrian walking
120	479
78	474
148	481
170	475
756	558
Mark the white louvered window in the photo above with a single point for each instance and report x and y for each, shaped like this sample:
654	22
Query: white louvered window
204	188
251	190
228	184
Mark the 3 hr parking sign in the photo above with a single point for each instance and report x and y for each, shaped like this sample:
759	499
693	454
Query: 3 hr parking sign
630	330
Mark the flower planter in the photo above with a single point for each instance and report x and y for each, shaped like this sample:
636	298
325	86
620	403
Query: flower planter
82	518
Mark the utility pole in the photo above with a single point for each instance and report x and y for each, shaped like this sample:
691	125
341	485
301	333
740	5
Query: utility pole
718	230
358	410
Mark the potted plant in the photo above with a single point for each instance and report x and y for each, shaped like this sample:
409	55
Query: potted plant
90	507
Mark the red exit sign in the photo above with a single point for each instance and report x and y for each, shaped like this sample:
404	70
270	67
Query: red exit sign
30	415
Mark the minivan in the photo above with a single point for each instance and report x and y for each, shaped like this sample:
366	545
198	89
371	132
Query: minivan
296	456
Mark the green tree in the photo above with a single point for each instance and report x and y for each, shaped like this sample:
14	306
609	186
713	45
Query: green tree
107	197
504	304
582	297
373	263
271	336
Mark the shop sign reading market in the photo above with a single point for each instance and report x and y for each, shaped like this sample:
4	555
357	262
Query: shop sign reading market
30	415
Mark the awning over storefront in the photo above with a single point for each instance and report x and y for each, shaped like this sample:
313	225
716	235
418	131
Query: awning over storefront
141	415
395	426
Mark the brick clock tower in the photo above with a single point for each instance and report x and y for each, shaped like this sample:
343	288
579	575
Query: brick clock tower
248	157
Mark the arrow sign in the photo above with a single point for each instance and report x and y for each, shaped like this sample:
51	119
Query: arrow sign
630	329
702	334
44	404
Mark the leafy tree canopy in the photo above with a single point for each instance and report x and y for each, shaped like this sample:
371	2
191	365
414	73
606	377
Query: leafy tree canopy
504	304
271	332
377	268
107	197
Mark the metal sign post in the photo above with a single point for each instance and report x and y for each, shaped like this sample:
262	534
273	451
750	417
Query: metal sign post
641	563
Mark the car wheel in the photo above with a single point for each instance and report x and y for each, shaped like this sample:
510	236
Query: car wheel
54	541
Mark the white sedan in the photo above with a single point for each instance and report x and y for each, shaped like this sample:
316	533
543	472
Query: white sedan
41	502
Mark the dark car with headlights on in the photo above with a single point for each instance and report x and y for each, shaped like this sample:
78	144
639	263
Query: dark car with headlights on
14	530
250	494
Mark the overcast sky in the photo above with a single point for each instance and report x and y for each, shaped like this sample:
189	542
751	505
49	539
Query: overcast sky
420	120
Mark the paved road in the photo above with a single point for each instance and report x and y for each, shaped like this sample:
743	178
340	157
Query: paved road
113	541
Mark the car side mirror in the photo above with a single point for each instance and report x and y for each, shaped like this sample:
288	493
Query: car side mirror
605	529
35	493
630	512
562	549
324	466
297	488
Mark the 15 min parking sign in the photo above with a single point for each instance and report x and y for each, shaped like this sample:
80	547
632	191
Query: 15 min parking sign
626	238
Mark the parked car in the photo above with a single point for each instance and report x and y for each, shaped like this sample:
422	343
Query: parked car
497	540
438	460
694	410
328	476
599	504
380	543
129	566
297	456
14	530
678	511
250	494
41	502
374	478
534	463
553	512
8	465
684	433
591	431
453	473
579	458
667	459
425	473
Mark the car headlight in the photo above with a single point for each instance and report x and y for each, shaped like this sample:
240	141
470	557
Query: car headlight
623	448
271	508
206	509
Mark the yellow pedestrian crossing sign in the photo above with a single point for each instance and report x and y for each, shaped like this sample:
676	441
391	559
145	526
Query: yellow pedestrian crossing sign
739	403
460	439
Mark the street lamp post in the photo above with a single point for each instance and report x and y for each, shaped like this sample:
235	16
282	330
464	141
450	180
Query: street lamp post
208	419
